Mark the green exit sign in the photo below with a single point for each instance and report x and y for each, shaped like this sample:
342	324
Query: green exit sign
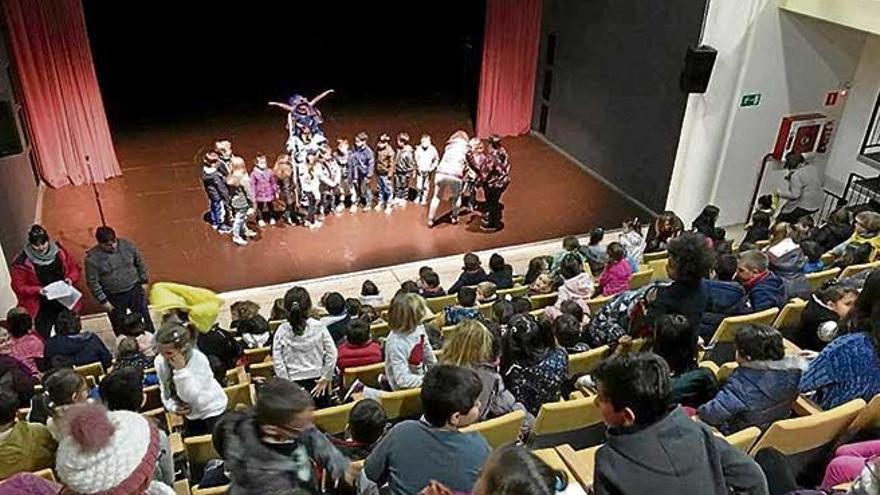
750	100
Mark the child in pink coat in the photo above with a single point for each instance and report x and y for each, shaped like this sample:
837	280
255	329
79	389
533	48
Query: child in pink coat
265	189
618	271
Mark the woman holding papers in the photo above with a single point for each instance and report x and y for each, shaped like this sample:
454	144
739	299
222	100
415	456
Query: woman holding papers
43	262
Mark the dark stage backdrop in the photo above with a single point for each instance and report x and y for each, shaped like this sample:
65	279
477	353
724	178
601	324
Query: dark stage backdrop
166	60
611	98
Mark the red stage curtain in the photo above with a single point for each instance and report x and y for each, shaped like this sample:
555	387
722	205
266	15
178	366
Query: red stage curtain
510	57
60	91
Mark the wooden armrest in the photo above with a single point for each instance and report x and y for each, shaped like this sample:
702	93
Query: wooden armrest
805	407
582	471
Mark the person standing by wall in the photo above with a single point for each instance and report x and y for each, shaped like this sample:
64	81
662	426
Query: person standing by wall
802	190
117	275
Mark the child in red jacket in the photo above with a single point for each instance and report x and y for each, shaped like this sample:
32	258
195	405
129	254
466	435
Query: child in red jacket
358	349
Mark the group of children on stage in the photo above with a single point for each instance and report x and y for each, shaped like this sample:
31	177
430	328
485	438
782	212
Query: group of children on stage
314	180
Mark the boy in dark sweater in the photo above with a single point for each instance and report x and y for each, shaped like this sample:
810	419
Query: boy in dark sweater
471	274
215	187
414	453
366	425
653	447
429	284
500	273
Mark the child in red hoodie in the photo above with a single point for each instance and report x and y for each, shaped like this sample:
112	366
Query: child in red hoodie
358	349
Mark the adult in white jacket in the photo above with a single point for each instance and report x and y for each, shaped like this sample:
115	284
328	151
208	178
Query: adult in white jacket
449	175
303	349
186	382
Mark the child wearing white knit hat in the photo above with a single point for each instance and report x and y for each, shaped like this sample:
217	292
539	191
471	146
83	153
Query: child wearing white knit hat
111	453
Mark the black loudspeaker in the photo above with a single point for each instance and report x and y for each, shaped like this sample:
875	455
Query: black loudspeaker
698	64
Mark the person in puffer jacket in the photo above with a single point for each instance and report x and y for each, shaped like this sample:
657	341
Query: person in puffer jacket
723	299
787	260
765	288
763	388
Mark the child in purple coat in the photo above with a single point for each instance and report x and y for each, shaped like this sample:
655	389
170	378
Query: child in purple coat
265	190
617	274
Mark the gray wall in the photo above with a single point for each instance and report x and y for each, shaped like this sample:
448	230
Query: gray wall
18	185
615	102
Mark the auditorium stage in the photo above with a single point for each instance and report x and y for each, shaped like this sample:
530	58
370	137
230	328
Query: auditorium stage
159	201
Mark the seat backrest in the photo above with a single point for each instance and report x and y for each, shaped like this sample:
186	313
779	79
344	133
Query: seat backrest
853	269
575	422
660	269
93	370
816	279
790	316
274	324
596	303
641	278
543	300
214	490
796	435
46	474
239	395
728	326
485	310
368	375
744	439
379	330
332	420
519	290
199	450
499	431
869	418
587	361
402	403
725	370
263	370
257	355
436	304
659	255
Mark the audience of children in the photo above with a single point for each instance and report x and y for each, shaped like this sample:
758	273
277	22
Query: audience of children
762	389
466	307
414	453
337	318
567	330
471	274
533	366
849	366
618	271
836	230
596	254
690	262
132	325
692	385
537	267
408	352
122	390
70	346
25	344
786	259
23	446
370	294
822	318
129	356
186	381
759	228
14	374
577	284
474	346
867	231
652	446
500	273
665	227
486	293
631	239
358	349
570	246
272	449
429	283
765	288
367	423
303	349
64	388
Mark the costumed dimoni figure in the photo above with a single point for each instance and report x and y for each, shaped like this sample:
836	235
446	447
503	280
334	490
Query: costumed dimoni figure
302	114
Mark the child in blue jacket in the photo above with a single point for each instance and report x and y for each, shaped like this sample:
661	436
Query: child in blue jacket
762	389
